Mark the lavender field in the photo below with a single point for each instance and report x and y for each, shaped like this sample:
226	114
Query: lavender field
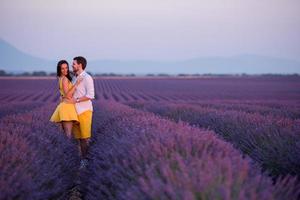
156	138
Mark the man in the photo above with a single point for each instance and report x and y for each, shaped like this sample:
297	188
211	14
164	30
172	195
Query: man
82	97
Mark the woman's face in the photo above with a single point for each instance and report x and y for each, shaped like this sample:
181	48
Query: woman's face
64	69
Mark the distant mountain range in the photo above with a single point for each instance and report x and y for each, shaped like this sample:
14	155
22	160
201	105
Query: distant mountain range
14	60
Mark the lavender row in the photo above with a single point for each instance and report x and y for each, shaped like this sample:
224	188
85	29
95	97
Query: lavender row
17	108
272	142
138	155
276	109
161	89
37	161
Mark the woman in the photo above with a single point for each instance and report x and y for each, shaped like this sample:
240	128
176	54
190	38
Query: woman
65	112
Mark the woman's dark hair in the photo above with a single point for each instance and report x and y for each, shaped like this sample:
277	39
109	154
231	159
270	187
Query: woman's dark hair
58	72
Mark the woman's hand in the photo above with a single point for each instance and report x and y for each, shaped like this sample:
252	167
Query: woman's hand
78	81
68	100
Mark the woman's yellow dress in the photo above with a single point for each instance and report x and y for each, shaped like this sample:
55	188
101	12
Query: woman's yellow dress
64	111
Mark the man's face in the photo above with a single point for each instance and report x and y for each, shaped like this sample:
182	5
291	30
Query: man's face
75	66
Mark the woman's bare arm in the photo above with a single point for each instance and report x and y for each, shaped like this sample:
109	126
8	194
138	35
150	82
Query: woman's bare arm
69	92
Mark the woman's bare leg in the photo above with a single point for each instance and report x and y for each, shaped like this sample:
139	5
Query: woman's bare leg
67	126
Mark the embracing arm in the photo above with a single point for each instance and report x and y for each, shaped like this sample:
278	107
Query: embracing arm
69	92
90	90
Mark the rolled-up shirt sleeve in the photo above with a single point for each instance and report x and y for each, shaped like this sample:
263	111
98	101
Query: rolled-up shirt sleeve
90	90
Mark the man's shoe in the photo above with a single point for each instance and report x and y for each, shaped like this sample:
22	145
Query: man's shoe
83	163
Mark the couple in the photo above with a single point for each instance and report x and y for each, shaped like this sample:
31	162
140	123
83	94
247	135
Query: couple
75	109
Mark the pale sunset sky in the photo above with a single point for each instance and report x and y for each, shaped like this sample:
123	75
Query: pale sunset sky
152	29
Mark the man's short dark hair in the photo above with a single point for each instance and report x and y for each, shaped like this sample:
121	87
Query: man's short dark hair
81	60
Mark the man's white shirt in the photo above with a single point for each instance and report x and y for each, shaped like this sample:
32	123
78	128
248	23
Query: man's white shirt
85	88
